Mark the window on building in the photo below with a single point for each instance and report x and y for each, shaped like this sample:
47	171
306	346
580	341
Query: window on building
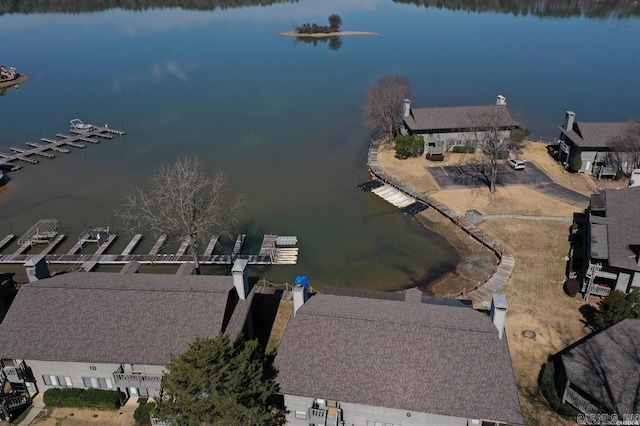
301	415
97	382
62	381
50	380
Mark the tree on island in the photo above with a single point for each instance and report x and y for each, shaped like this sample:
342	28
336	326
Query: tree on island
216	381
182	202
383	109
335	21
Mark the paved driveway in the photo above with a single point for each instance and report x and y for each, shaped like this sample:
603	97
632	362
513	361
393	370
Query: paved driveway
451	177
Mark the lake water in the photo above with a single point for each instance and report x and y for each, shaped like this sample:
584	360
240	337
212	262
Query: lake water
282	118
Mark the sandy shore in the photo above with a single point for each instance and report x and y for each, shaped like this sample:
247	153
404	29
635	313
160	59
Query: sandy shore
323	35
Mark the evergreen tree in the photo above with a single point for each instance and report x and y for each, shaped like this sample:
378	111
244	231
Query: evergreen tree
616	307
219	382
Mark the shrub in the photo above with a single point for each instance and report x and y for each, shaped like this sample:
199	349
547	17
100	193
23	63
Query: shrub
75	397
576	164
550	392
571	287
409	146
142	415
464	149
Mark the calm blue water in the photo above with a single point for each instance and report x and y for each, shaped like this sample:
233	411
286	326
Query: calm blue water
282	118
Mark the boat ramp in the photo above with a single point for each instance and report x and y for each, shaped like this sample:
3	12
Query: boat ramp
274	250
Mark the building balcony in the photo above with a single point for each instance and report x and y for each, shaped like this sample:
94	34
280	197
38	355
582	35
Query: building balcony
135	379
581	403
17	373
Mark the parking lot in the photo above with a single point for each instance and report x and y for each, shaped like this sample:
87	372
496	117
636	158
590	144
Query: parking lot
470	176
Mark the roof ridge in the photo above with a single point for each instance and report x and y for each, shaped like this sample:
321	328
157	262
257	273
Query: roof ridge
395	322
176	290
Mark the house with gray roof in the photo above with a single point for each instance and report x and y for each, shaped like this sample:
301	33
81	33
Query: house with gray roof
611	257
396	359
115	331
444	128
600	374
591	141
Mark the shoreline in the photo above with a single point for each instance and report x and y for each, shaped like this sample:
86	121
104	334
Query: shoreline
475	263
326	35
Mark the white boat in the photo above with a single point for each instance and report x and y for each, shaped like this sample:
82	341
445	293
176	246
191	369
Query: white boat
77	124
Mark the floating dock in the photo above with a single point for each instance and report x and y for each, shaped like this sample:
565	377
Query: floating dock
89	133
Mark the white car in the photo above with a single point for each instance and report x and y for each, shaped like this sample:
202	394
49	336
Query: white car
516	164
634	180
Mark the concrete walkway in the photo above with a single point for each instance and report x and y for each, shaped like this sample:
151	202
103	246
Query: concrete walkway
36	407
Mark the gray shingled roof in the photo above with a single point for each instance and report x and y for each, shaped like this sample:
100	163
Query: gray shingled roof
466	117
406	355
606	365
593	135
110	317
622	226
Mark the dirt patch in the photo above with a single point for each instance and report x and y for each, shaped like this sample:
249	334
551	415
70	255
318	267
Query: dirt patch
410	171
83	416
285	309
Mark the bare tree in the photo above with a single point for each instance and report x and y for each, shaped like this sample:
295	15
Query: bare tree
383	108
625	147
182	202
491	129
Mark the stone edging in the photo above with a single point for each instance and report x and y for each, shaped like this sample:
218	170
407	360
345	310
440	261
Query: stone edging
506	261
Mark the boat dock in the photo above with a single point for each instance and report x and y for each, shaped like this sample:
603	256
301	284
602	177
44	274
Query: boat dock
45	232
88	133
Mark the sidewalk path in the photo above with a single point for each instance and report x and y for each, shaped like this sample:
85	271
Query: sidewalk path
36	407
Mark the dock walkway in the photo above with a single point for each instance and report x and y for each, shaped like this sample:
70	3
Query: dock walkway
88	262
91	135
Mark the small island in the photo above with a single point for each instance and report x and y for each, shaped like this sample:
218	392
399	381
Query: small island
331	30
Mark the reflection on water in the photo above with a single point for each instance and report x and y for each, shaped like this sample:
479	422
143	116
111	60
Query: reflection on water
334	42
545	8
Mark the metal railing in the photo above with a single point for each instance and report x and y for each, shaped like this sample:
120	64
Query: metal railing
136	380
573	398
15	373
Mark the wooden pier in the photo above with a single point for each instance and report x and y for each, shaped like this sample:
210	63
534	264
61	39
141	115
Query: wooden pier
130	261
92	134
